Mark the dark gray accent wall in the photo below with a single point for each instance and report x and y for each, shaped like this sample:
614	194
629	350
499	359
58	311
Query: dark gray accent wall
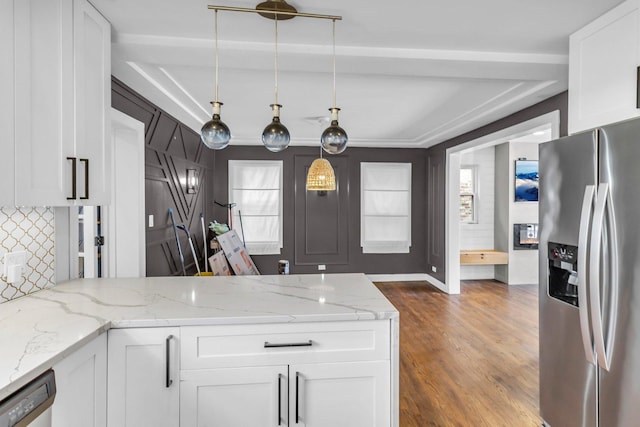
436	173
321	219
326	229
170	149
317	229
436	198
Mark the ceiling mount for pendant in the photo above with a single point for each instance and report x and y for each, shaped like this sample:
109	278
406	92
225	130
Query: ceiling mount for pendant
271	9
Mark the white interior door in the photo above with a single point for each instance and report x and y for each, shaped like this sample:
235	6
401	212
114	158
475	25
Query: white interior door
125	217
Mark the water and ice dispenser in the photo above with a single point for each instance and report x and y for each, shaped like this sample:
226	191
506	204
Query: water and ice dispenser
563	272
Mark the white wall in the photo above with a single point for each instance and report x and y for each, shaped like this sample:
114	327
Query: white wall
502	208
480	235
523	264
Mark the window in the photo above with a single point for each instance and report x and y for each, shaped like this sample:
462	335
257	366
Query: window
256	188
385	207
468	196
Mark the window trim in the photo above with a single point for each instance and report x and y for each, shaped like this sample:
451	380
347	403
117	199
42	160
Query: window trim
473	194
385	246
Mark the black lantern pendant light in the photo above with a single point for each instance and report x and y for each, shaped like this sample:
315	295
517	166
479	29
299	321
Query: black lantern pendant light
334	139
214	133
275	136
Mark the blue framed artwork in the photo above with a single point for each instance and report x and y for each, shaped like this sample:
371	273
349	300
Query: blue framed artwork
526	186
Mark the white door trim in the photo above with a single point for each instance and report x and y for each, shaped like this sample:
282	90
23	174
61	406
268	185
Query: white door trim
124	126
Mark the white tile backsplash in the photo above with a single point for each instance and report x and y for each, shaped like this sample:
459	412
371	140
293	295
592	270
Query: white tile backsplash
31	230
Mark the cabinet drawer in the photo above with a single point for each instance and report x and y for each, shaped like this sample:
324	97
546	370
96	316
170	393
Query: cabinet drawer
253	345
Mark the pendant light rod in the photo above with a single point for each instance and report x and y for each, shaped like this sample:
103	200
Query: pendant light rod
300	14
275	60
334	63
216	29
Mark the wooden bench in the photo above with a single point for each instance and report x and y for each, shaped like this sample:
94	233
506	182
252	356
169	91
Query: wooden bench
483	256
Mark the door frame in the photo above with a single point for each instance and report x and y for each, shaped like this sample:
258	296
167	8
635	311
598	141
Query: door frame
124	126
452	184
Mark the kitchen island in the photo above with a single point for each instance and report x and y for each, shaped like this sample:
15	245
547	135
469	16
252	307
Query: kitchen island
42	329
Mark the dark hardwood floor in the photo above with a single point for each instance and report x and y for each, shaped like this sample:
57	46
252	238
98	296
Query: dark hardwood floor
468	359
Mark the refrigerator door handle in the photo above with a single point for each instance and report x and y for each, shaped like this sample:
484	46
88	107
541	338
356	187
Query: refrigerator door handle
603	200
583	242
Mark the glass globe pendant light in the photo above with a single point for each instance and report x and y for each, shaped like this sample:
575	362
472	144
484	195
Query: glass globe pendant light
334	139
214	133
275	136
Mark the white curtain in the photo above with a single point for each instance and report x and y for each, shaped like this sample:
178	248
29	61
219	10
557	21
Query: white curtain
385	222
256	188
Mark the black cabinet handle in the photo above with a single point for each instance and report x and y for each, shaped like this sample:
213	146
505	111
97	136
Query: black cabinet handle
638	87
297	397
267	344
73	178
169	381
86	179
279	399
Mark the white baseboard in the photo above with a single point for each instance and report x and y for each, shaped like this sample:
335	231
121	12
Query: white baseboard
414	277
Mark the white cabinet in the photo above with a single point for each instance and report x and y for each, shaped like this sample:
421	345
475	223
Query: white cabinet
6	105
92	60
315	374
143	382
81	380
603	69
60	103
234	397
354	394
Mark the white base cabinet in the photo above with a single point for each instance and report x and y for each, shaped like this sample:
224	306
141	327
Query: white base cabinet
316	374
313	375
143	386
234	397
81	381
603	69
354	394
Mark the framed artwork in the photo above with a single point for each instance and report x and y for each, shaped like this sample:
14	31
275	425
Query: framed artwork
526	185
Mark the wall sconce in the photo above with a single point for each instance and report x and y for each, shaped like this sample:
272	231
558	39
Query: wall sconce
192	181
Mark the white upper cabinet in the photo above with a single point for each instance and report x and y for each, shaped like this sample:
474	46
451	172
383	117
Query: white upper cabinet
603	69
61	82
6	104
92	53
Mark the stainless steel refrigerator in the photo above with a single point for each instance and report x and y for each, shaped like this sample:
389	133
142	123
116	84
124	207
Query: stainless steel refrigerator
590	278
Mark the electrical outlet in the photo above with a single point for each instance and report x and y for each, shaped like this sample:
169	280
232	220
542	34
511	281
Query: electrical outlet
11	259
434	269
150	221
322	267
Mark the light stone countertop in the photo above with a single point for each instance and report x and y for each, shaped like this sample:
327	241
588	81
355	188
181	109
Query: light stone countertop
41	329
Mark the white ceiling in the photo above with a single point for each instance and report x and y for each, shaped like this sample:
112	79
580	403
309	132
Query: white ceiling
410	73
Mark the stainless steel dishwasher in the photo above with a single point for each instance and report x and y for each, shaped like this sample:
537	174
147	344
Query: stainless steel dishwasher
30	405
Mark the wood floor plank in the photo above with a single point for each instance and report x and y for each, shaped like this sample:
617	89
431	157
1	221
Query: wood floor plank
468	359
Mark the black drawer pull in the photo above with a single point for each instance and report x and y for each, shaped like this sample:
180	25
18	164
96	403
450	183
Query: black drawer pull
267	344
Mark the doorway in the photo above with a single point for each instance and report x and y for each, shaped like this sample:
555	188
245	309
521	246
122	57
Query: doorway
454	162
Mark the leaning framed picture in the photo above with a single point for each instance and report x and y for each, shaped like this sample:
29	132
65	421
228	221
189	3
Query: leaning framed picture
526	185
